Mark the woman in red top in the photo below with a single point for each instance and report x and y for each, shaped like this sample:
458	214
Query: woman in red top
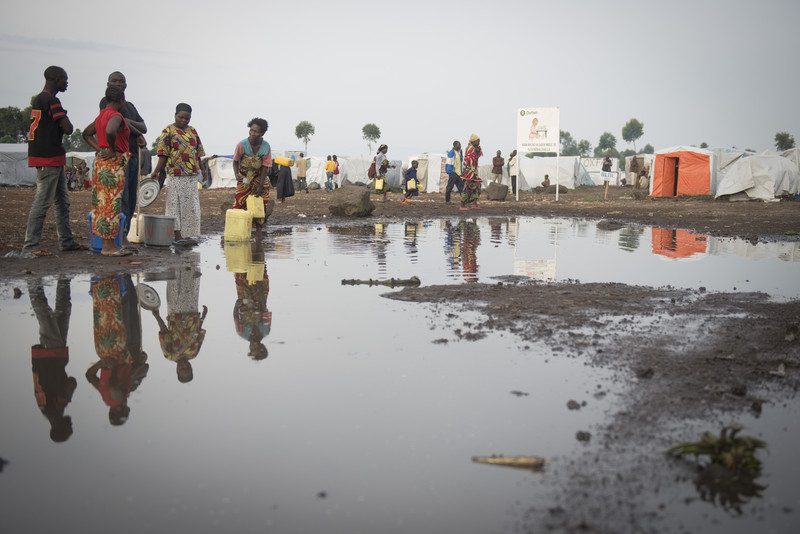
109	135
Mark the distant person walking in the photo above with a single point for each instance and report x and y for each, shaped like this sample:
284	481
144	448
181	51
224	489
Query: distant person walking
112	135
179	151
513	171
137	129
252	163
49	123
330	166
497	168
381	166
472	182
302	169
454	168
335	172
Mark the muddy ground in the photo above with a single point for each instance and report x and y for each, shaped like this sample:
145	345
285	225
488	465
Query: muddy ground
750	220
721	364
679	355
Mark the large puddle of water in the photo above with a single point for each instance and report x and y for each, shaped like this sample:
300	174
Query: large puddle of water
251	390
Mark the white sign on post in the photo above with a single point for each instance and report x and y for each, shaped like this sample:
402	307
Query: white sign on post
538	131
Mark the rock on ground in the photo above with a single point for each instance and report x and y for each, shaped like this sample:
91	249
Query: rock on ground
495	191
351	201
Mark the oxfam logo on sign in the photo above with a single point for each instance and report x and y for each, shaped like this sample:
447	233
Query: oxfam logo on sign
524	112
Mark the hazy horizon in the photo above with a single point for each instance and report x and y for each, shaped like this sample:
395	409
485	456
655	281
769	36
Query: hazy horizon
426	73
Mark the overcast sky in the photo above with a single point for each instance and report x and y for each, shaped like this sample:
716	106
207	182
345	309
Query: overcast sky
723	72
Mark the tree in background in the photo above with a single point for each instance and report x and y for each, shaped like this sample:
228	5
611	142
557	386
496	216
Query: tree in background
703	145
606	146
632	131
568	145
648	149
14	124
584	148
371	134
74	142
784	141
304	130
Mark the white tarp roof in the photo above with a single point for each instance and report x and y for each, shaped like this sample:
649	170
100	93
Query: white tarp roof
793	155
763	177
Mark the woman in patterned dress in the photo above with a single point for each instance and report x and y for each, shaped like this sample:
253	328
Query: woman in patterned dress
252	163
179	151
472	183
108	135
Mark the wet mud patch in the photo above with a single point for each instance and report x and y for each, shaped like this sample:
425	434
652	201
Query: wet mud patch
685	360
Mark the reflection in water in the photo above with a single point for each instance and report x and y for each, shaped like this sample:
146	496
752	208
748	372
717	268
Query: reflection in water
380	244
182	335
678	243
461	242
49	358
411	240
471	239
629	237
729	489
118	342
251	317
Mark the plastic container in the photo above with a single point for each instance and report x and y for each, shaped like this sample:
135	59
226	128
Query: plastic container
237	225
159	230
96	242
281	160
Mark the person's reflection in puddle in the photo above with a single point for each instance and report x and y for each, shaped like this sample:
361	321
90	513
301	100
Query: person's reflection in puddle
118	341
452	246
252	319
381	243
411	230
49	358
471	238
182	335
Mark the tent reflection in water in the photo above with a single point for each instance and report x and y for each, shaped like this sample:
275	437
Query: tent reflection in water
678	243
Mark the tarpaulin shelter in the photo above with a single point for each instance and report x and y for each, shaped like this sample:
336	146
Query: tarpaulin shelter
532	170
682	170
678	243
14	168
761	177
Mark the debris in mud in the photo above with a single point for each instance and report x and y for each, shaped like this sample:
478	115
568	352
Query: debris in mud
740	390
583	436
518	393
645	372
440	341
573	405
755	407
17	292
322	494
780	371
729	450
520	462
392	282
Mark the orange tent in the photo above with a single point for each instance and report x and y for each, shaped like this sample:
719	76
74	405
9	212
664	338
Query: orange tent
678	243
682	171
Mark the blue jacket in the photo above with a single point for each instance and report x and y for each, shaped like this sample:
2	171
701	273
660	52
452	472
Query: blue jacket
450	167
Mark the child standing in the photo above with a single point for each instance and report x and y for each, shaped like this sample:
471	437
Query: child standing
410	183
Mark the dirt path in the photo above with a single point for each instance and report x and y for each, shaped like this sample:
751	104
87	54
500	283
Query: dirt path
750	220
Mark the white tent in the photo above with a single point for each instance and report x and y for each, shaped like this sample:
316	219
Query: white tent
763	177
221	169
532	171
646	161
430	171
793	155
594	166
14	168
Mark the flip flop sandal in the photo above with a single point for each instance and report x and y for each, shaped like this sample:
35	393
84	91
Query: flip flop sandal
41	253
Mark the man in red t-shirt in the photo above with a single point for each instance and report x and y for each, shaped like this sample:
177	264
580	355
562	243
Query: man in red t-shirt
49	123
